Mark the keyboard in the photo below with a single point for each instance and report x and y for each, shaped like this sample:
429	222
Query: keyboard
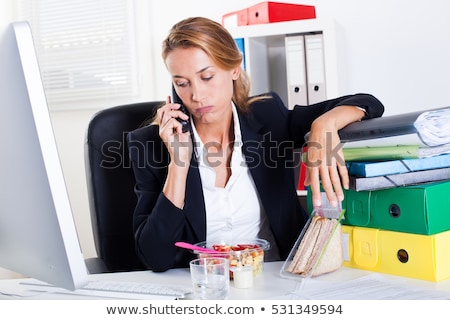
117	290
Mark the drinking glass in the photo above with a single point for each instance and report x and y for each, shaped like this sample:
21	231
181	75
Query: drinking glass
210	278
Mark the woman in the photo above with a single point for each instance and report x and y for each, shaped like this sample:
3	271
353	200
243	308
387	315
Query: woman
231	176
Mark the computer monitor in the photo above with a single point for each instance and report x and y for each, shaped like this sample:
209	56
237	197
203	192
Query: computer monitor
38	236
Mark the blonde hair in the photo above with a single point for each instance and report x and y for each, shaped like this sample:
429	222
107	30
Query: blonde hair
218	44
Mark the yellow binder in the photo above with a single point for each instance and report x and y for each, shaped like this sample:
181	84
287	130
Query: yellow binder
424	257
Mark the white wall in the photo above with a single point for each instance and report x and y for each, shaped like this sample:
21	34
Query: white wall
398	50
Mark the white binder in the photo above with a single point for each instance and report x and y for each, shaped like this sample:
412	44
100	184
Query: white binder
315	68
296	70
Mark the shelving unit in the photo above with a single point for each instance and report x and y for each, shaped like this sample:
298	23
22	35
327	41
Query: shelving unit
265	53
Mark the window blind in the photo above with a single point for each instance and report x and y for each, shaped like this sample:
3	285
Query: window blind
86	48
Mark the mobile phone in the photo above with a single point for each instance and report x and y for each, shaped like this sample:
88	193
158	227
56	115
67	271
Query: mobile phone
186	125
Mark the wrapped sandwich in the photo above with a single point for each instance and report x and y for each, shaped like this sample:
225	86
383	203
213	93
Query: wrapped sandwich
320	249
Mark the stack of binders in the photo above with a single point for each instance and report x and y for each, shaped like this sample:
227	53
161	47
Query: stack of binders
398	150
397	218
403	231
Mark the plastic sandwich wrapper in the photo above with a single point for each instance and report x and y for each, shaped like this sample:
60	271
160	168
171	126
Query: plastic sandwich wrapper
318	249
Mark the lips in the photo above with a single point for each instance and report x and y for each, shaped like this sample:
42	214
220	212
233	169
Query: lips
204	109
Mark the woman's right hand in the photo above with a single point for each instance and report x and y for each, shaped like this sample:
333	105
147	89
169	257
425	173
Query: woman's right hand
170	130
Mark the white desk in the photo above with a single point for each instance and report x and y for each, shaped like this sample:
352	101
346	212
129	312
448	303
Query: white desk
268	285
265	286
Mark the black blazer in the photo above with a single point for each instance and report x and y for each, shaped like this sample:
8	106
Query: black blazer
270	132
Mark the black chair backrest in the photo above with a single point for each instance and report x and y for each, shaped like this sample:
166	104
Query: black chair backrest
110	182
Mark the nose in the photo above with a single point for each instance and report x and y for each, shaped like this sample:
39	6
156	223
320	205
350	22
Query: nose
197	91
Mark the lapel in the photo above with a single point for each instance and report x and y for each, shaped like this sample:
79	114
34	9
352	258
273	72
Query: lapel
253	149
195	208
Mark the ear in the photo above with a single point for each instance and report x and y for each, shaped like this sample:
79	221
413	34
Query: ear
235	73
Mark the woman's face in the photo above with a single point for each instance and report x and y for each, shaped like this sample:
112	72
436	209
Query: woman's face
206	90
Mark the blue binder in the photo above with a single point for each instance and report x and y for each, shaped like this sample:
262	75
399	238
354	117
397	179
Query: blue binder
382	168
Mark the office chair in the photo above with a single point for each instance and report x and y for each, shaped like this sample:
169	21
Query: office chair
110	182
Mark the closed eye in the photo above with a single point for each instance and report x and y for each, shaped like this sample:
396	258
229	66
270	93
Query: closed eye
181	84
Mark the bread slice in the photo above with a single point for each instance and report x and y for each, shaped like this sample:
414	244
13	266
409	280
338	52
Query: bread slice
320	249
305	249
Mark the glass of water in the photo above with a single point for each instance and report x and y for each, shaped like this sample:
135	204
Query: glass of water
210	278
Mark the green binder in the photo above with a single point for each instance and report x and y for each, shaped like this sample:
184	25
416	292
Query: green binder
420	209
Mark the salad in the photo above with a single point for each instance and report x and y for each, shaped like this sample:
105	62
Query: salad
240	255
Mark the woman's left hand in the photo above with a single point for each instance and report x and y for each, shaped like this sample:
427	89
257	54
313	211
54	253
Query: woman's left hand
326	168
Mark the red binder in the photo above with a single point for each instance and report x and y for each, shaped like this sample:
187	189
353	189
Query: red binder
302	174
266	12
235	19
301	178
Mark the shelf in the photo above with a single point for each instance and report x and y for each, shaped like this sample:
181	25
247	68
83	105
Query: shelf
265	53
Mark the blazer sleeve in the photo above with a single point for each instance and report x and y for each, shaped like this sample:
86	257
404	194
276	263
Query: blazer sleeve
302	117
156	221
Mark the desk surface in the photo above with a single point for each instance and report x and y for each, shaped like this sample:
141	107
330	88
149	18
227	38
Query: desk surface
268	285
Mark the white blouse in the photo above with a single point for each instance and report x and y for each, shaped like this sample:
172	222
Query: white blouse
233	212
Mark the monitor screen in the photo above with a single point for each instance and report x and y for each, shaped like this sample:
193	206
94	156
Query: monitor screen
38	236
